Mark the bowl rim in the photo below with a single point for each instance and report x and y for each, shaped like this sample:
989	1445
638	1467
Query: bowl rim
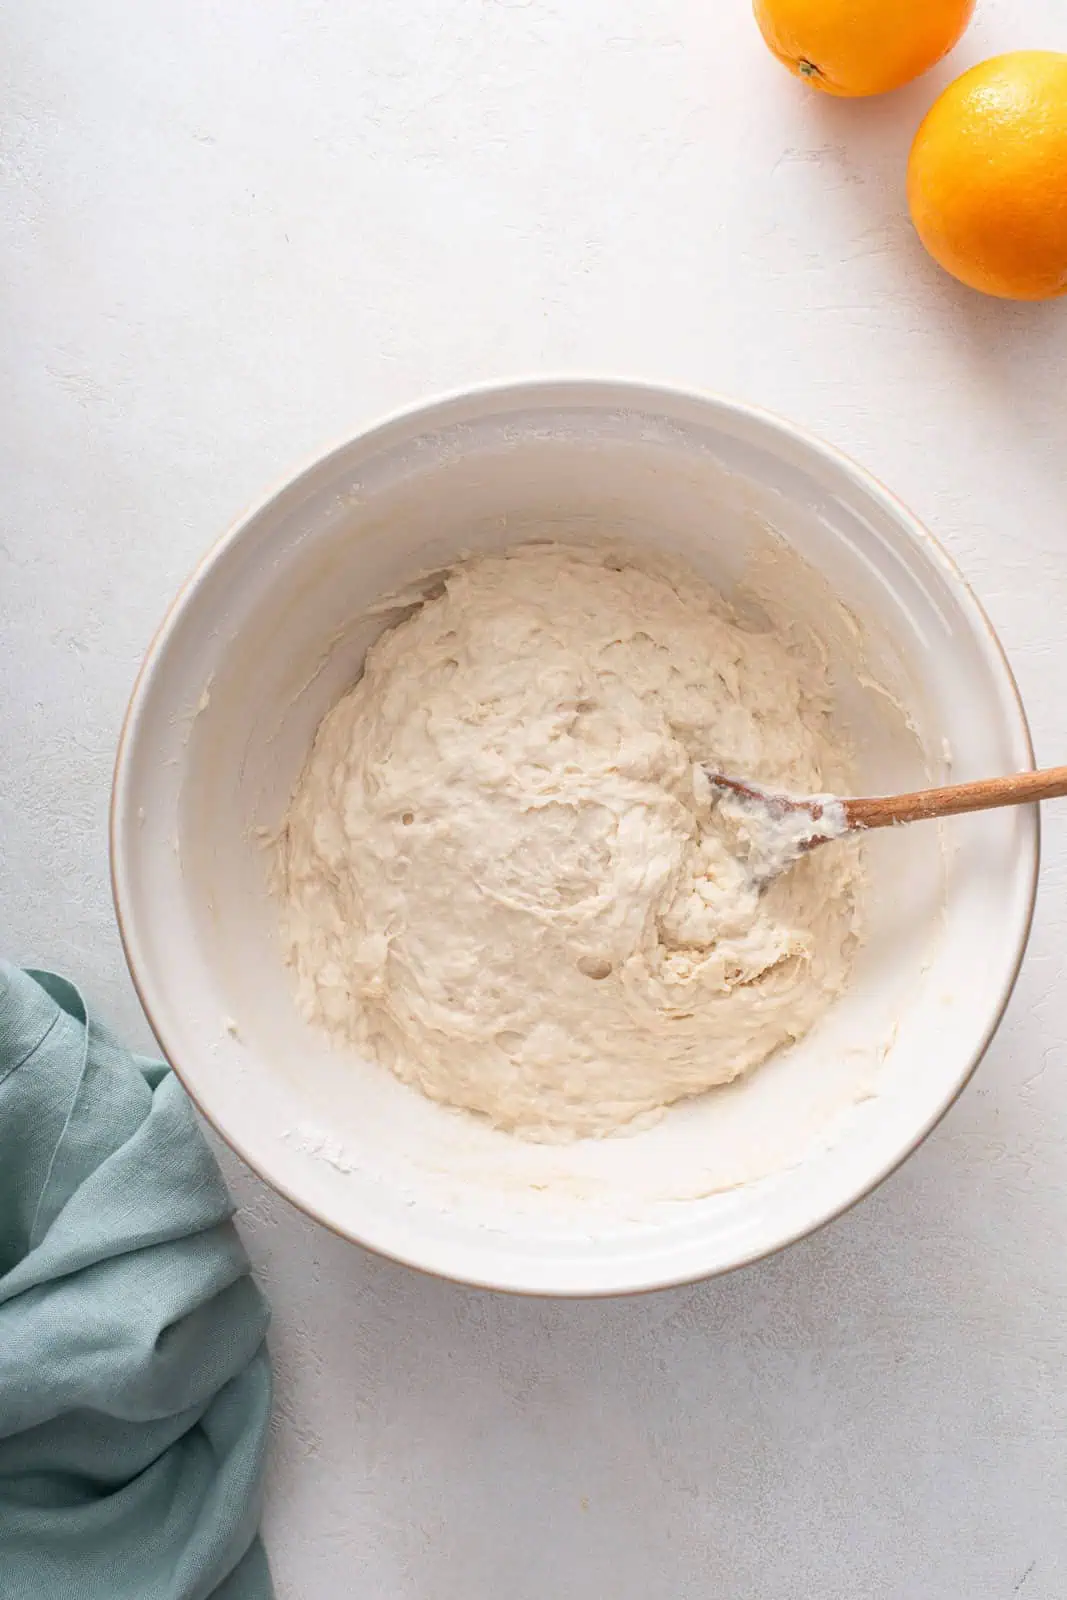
619	393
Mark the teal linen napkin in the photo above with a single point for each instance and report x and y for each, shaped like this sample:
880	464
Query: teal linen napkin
134	1380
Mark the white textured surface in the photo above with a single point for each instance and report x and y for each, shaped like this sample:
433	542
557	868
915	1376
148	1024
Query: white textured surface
234	233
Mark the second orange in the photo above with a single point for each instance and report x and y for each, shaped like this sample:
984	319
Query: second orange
861	47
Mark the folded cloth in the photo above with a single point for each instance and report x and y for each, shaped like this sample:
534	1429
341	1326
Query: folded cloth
134	1380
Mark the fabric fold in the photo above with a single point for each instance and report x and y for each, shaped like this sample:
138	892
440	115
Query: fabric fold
134	1380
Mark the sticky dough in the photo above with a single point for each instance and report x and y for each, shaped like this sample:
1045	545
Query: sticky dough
502	877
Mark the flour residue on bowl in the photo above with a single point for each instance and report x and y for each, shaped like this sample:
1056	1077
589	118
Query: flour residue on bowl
500	875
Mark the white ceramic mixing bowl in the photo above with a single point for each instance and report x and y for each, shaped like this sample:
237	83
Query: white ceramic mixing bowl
270	631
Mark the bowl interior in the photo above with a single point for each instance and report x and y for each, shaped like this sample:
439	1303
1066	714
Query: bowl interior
273	629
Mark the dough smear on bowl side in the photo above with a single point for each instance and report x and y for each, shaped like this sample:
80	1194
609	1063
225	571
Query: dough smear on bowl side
501	876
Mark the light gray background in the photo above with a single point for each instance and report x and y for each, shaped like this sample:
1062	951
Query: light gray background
236	232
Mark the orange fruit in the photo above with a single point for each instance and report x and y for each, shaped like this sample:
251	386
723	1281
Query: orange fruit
987	178
858	47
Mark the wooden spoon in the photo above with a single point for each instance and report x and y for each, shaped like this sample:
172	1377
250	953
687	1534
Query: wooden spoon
785	818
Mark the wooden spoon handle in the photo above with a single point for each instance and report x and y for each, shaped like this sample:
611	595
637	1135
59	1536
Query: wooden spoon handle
884	811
